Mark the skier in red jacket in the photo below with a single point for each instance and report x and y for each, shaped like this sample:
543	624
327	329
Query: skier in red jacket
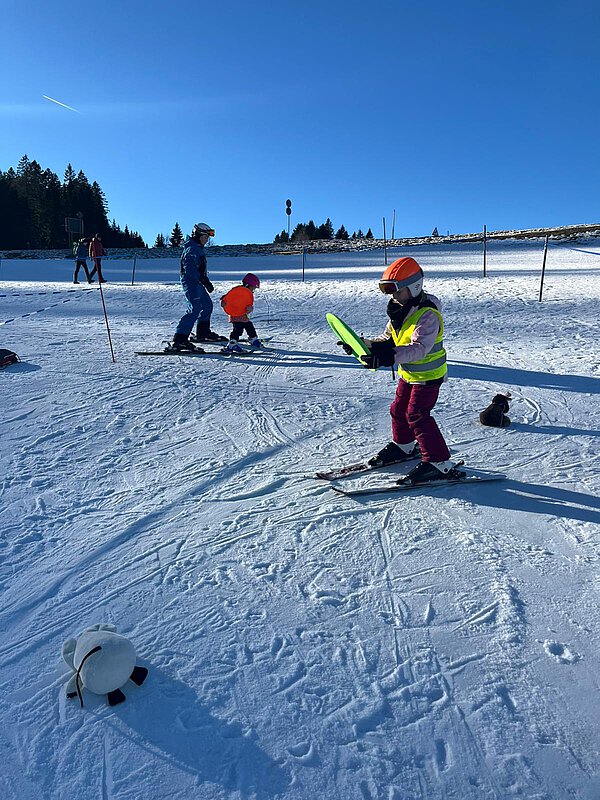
238	304
96	251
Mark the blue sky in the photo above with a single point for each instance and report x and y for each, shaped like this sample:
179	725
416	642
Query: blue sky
454	114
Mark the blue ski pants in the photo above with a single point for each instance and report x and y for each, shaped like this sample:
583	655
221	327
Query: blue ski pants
199	307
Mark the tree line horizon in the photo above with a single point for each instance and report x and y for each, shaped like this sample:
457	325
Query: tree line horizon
35	204
308	231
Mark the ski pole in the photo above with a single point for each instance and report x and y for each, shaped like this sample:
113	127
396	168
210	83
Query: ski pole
112	352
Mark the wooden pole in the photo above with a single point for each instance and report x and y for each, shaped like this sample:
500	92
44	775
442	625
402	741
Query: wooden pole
133	273
393	224
303	262
384	245
484	249
543	269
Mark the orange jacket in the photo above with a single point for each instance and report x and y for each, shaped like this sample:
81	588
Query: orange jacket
238	302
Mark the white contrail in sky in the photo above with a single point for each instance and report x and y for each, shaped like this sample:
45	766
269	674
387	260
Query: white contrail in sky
52	100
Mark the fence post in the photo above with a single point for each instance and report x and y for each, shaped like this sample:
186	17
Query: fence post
133	273
484	249
303	262
543	269
384	245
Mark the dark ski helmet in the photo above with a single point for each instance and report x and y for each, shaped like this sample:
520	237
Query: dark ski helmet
202	229
251	281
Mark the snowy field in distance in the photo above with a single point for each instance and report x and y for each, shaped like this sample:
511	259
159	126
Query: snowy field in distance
442	644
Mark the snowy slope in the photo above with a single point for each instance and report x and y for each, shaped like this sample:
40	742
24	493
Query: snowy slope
302	644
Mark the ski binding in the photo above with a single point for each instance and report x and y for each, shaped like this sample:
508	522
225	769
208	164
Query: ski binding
355	469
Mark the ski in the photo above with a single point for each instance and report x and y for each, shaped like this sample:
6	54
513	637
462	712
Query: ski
402	487
188	353
232	353
355	469
170	353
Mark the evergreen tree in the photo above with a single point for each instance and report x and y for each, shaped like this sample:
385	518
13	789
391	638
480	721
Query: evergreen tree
342	233
160	241
176	237
54	209
70	175
369	234
31	185
137	241
13	220
99	212
325	231
22	166
300	234
360	234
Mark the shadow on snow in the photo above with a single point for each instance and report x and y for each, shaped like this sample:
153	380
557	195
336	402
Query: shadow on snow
521	377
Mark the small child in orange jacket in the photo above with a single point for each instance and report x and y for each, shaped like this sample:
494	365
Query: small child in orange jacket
238	304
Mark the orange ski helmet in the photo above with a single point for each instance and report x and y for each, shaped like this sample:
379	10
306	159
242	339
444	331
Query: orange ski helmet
402	272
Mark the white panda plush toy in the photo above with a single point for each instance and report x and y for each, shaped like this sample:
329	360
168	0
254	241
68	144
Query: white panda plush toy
103	662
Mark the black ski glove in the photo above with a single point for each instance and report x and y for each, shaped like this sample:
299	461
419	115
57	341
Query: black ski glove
374	362
383	354
208	285
346	348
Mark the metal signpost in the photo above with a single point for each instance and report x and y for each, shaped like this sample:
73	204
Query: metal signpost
74	227
288	211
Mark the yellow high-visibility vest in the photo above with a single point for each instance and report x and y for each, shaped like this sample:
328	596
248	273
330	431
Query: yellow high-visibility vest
431	367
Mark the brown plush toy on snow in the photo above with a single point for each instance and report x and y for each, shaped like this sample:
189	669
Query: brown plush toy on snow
495	414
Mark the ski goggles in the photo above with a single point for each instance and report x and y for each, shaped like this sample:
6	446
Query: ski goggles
389	287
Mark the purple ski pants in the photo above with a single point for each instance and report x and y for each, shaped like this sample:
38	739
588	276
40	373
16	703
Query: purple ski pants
411	419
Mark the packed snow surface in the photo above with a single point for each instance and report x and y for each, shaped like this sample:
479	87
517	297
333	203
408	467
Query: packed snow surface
301	644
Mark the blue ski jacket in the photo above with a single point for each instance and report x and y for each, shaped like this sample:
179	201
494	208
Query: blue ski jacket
193	265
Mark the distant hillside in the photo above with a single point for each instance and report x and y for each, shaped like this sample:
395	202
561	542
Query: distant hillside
562	233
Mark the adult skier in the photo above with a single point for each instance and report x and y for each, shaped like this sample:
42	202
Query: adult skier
413	343
196	287
80	250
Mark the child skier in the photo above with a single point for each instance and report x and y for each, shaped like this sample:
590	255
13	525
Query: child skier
413	342
238	304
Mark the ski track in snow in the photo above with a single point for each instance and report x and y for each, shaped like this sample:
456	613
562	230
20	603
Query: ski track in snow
302	644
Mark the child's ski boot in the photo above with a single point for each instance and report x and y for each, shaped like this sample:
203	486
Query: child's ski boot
233	346
427	472
394	453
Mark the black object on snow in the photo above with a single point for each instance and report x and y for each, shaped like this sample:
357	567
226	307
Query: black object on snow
7	357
